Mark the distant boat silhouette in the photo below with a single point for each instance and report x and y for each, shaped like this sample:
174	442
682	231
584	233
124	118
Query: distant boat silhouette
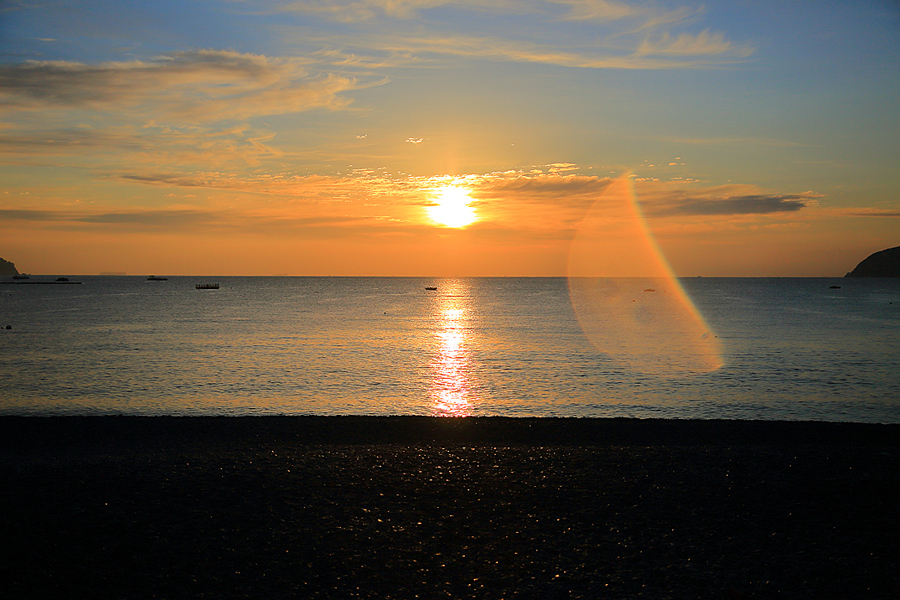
155	278
431	288
649	290
207	286
21	276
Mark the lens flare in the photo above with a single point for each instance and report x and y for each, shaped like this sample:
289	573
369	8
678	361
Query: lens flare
627	300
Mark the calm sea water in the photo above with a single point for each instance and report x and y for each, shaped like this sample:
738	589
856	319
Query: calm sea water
793	349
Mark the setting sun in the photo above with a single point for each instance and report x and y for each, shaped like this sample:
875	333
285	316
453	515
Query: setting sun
452	207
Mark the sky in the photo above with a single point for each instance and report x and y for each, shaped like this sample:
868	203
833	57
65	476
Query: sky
446	138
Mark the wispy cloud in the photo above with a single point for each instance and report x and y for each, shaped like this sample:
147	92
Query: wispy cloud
201	85
290	186
351	11
599	10
613	57
149	218
739	205
180	220
543	188
648	15
559	200
149	143
515	207
685	199
733	141
185	108
567	195
704	43
873	212
628	35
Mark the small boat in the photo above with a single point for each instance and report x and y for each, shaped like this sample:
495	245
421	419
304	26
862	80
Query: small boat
155	278
21	276
207	286
431	288
835	287
62	279
649	290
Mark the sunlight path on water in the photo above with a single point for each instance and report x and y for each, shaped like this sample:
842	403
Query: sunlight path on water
626	298
449	378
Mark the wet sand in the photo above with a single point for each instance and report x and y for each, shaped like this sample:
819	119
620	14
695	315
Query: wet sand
406	507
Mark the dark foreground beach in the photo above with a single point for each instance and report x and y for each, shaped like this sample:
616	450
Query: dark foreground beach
407	507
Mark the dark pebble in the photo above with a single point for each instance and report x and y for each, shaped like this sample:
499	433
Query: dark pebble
355	507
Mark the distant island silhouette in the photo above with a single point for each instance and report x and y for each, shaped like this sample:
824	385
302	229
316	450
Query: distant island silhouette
7	268
885	263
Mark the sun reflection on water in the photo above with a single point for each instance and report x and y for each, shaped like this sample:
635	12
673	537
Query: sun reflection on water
449	379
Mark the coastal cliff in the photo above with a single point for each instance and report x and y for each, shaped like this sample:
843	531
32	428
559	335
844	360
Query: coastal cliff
7	268
885	263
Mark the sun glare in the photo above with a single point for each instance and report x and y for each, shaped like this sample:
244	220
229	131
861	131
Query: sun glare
452	208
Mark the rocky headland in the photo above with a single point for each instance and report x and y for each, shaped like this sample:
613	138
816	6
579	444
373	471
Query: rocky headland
7	268
885	263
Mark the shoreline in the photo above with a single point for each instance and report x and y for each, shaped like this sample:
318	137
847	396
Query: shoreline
49	431
434	507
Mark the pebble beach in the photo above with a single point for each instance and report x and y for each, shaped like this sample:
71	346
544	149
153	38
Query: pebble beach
419	507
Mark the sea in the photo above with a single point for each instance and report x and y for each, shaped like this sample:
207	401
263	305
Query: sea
787	349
